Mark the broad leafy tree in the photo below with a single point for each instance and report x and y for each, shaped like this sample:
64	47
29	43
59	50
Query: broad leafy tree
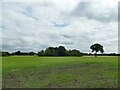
61	51
41	53
31	53
97	48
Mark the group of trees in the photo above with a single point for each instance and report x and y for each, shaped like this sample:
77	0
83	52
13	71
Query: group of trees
50	51
59	51
16	53
23	53
103	54
4	53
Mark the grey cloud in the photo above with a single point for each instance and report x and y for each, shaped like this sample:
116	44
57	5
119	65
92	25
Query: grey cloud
85	9
67	43
22	32
66	36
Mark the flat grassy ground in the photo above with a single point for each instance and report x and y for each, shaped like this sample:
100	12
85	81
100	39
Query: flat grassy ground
59	72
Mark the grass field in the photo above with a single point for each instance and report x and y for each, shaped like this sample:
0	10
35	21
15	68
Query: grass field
59	72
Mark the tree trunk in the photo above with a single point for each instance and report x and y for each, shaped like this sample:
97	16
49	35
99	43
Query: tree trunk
96	54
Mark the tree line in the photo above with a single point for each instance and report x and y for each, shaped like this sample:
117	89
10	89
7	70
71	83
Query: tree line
3	53
62	51
50	51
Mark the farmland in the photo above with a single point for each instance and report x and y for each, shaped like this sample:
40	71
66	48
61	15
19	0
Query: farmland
59	72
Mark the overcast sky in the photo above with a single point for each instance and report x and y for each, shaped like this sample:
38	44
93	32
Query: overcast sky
33	26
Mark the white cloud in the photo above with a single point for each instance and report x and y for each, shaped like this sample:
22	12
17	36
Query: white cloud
34	26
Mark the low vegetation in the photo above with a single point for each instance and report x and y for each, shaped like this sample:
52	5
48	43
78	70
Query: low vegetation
67	69
60	72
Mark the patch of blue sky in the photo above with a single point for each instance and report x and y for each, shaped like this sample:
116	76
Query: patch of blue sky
60	25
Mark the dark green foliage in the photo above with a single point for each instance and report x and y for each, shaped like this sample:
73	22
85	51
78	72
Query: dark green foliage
23	53
51	51
97	48
31	53
59	51
4	53
18	53
74	53
41	53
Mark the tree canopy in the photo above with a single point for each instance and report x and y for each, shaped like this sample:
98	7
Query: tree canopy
97	48
59	51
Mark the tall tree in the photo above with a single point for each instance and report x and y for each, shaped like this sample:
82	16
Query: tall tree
97	48
61	51
50	51
41	53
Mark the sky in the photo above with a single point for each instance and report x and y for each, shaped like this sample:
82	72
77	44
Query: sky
33	26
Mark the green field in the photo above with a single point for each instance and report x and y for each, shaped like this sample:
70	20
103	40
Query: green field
59	72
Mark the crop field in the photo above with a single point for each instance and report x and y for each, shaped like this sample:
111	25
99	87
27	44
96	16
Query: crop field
59	72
